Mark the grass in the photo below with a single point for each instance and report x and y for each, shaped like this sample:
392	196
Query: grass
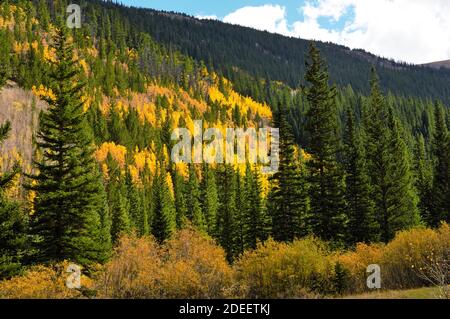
421	293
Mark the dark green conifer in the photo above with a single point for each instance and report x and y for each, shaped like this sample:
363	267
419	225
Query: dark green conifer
69	190
326	184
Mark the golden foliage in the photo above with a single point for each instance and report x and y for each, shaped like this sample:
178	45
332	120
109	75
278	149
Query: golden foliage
279	270
133	271
49	54
43	92
402	261
41	282
245	104
117	152
188	266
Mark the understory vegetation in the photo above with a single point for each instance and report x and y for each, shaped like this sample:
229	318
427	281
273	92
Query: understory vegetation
191	265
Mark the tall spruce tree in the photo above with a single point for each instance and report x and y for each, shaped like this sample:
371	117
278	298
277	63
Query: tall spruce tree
135	203
440	210
13	222
209	198
255	219
226	213
239	220
69	190
180	199
164	214
362	225
424	179
194	210
325	174
121	223
389	166
287	203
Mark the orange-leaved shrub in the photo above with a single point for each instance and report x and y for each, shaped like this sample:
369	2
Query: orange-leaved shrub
190	265
279	270
356	262
412	254
43	282
404	262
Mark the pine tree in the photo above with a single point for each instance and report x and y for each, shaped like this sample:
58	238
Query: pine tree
440	210
164	214
325	175
287	199
239	218
120	210
209	198
424	179
69	190
225	222
389	166
13	223
360	207
181	205
256	221
136	205
194	210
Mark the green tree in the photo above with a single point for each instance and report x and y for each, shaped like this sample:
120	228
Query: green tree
226	213
121	223
136	205
210	198
325	174
164	214
256	221
13	224
362	225
194	210
69	190
389	166
181	198
287	203
424	179
441	184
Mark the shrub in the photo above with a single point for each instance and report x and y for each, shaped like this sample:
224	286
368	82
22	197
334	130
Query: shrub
356	263
408	261
279	270
134	270
195	267
188	266
42	282
411	254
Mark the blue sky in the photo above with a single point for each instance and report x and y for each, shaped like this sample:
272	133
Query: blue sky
222	8
414	31
212	7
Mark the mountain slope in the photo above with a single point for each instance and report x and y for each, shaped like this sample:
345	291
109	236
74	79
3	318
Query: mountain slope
439	64
278	58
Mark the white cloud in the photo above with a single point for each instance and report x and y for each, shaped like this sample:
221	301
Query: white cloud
415	31
268	17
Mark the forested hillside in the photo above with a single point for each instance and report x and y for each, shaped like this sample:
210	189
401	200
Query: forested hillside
92	177
274	57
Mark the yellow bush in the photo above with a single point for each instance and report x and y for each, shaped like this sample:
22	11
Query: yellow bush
195	267
41	282
403	262
410	255
356	263
134	270
278	270
188	266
